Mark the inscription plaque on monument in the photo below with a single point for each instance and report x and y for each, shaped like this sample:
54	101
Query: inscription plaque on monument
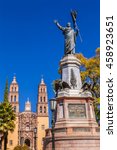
77	111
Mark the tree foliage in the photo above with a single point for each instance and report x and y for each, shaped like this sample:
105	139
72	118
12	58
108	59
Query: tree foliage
7	116
90	73
19	147
90	67
6	92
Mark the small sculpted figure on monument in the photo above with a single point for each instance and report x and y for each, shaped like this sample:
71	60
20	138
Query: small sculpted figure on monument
86	87
59	85
70	34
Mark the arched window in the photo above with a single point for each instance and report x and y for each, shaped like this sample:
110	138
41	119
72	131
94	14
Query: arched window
40	109
15	89
44	109
43	127
41	89
44	99
40	99
12	89
11	98
15	98
10	142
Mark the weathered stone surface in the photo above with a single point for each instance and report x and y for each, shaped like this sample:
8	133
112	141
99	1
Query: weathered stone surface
74	133
75	144
70	70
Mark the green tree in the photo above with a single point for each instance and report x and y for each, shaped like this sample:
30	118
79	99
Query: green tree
7	117
90	74
25	147
6	92
19	147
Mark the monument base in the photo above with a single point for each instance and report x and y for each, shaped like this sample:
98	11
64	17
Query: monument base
71	139
75	127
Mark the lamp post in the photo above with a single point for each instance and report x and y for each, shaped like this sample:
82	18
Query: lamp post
22	141
0	141
53	108
35	132
1	136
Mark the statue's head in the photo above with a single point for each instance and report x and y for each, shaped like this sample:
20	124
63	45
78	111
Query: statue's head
68	24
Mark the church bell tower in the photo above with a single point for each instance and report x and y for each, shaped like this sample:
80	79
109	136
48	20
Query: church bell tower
42	113
42	106
14	100
14	95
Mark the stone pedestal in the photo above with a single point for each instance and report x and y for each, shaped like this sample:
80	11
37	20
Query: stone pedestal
76	127
75	142
75	112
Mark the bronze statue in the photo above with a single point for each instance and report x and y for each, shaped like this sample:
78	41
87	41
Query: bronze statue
70	34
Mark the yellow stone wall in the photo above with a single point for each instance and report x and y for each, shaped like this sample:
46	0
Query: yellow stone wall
40	131
13	136
42	125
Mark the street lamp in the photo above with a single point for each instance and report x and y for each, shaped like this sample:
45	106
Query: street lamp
1	141
53	108
35	132
22	141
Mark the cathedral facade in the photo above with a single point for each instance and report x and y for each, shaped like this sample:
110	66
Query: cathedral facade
29	126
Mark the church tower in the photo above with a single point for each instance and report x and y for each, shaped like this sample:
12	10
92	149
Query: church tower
42	106
14	95
42	113
14	100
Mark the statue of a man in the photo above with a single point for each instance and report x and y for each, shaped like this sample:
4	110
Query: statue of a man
69	37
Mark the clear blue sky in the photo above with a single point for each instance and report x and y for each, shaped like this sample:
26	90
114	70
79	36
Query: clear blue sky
31	44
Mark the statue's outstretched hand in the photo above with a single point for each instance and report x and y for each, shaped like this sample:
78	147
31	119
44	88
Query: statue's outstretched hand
55	21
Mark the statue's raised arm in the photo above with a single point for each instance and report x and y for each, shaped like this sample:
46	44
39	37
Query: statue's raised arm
58	25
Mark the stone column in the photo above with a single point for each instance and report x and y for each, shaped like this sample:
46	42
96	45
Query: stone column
70	67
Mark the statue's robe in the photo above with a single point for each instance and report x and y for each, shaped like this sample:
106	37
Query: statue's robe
70	40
